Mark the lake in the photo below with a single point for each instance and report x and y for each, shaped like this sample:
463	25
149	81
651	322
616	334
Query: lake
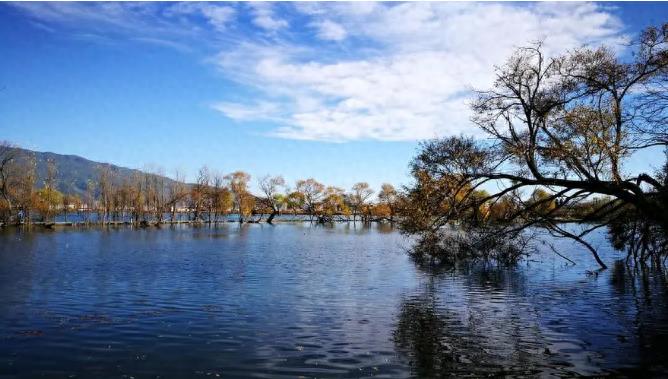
299	300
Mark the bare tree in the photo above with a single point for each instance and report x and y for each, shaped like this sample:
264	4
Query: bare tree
155	192
137	198
49	198
24	187
106	189
177	192
8	155
198	192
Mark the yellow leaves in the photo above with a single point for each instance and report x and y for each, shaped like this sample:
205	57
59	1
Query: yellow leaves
224	200
246	204
334	202
47	200
381	210
541	202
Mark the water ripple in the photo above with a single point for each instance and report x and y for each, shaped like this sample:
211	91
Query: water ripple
304	301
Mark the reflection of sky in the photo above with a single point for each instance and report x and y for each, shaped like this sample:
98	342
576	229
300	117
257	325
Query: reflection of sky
295	299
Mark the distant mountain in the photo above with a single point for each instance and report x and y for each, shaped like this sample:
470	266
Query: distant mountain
74	172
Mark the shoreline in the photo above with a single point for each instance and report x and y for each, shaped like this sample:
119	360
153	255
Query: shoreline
149	224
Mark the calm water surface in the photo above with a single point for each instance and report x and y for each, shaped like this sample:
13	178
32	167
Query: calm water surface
297	300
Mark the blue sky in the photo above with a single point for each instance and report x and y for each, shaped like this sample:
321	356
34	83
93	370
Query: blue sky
337	91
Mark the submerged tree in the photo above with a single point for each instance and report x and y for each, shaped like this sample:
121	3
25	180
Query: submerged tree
333	204
560	128
48	199
244	201
294	201
198	193
23	189
177	192
8	179
106	189
270	187
388	199
358	198
222	200
311	193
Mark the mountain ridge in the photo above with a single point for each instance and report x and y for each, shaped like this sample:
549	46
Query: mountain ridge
74	171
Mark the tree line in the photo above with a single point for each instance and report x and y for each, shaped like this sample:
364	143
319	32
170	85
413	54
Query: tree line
148	197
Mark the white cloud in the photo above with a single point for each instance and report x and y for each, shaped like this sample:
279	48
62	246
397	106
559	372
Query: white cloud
173	25
399	71
416	84
330	30
242	112
96	15
218	16
264	17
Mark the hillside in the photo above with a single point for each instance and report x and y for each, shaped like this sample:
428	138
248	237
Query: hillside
74	172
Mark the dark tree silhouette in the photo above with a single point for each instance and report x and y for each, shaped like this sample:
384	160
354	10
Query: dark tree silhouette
563	125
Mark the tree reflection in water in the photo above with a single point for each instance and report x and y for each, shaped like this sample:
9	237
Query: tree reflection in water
647	285
483	320
426	336
443	342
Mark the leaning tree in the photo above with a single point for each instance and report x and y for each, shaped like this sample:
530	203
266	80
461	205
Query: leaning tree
562	130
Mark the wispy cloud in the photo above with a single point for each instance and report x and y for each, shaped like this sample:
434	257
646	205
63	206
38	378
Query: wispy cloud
345	71
173	25
243	112
417	82
217	15
330	30
264	16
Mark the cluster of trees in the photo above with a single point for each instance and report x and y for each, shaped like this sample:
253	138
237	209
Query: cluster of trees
329	203
560	131
18	194
213	195
149	197
23	199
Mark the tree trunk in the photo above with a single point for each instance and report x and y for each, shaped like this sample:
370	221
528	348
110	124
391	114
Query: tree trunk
271	217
